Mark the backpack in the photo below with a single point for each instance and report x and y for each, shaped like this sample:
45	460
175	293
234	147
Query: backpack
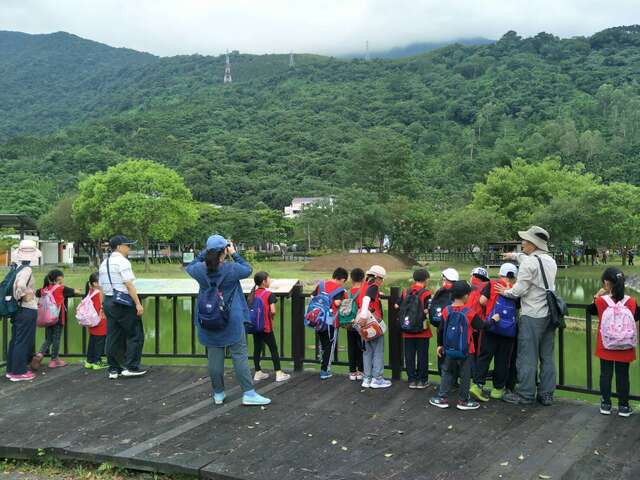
617	326
348	310
456	335
506	326
319	315
8	304
86	312
474	299
411	313
440	300
258	314
374	328
213	311
48	309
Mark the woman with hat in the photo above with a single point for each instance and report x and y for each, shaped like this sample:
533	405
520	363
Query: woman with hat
23	331
535	331
211	269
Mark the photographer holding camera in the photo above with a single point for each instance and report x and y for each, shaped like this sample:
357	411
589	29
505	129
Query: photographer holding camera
221	313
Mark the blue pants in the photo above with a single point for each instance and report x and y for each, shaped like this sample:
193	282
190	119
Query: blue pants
23	337
240	365
373	358
95	350
52	336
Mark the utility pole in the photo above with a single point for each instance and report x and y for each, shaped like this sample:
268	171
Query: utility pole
367	57
227	70
292	63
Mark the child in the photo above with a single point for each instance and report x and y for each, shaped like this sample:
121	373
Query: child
327	337
354	341
440	300
610	295
416	345
373	357
457	363
493	344
53	284
261	290
479	279
97	334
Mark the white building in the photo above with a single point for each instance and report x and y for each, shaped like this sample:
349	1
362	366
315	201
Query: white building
298	204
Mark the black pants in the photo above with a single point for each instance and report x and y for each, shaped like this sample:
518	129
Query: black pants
23	337
440	359
51	342
452	369
475	336
125	336
95	349
512	373
259	340
499	349
416	359
354	344
326	338
622	381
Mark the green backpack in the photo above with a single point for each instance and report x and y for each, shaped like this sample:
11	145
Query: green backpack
348	309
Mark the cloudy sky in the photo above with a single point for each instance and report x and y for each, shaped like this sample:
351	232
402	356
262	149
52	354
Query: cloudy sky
170	27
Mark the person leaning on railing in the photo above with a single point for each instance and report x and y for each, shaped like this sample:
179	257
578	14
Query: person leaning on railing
217	276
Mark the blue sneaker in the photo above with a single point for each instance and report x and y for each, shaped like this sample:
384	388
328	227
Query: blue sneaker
218	398
254	398
324	374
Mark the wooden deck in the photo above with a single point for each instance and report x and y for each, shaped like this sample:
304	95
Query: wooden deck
313	430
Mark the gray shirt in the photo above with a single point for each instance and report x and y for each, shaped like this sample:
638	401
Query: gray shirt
529	286
121	272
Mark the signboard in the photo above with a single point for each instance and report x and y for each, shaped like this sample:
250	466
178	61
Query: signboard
188	286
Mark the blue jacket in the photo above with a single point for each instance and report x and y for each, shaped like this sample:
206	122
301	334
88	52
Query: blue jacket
229	274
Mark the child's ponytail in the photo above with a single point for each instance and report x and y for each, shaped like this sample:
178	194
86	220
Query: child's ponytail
258	280
93	278
616	278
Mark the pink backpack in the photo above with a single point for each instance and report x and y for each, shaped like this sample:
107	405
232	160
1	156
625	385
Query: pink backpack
618	327
48	309
86	313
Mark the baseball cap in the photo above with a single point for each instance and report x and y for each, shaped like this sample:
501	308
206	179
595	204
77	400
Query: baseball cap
480	272
117	240
508	268
460	288
217	242
451	274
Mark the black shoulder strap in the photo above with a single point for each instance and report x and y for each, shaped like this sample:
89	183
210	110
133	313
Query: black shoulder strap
544	276
109	271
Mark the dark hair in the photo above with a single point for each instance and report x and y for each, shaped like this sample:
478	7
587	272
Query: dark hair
258	280
93	278
616	278
340	274
357	275
51	277
371	279
460	289
420	275
212	259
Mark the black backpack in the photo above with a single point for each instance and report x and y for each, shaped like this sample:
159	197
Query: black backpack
8	304
440	300
411	314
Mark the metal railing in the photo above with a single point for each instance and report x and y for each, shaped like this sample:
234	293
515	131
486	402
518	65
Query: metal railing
292	336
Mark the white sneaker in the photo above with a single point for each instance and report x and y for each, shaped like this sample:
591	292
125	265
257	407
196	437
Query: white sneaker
380	383
366	383
113	375
260	375
282	377
133	373
353	377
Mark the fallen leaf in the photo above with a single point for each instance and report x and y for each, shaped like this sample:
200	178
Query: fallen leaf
310	435
504	464
545	477
596	452
51	414
250	426
263	408
521	456
549	441
257	423
333	442
345	449
450	427
388	455
400	432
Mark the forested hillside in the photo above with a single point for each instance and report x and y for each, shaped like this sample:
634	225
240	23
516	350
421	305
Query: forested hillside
279	132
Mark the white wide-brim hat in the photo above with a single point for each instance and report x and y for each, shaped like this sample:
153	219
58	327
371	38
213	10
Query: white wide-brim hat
536	235
377	271
27	251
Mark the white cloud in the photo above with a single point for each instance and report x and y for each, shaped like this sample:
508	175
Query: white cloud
170	27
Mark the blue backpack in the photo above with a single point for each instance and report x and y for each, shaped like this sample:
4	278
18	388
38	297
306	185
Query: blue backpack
456	334
506	326
319	315
257	317
213	311
8	304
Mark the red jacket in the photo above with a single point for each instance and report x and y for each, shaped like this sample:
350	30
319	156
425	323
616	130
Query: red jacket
265	295
424	299
330	286
626	356
473	302
472	318
99	330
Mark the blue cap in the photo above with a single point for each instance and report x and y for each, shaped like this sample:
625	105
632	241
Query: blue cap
115	242
217	242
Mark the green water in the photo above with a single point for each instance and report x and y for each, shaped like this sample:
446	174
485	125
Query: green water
573	290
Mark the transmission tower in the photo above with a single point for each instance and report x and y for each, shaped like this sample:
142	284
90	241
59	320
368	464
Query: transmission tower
367	57
292	63
227	71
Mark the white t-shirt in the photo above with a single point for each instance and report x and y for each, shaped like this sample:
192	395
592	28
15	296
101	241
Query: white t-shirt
121	272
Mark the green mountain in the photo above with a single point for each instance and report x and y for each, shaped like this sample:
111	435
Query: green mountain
278	132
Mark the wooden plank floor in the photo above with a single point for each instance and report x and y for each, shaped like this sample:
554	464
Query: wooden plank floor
331	430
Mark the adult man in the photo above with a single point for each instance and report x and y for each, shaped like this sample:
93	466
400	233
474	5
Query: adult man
535	330
125	334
